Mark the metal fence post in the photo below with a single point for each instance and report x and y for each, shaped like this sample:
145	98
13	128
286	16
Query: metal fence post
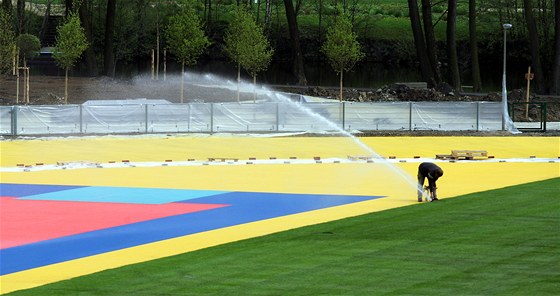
146	117
211	118
81	119
343	116
277	116
410	116
544	116
14	120
189	106
477	116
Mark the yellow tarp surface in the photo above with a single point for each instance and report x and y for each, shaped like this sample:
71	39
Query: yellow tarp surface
396	181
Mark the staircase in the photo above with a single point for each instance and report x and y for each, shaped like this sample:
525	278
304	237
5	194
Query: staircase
48	33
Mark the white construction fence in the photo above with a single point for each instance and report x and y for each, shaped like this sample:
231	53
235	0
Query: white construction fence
285	116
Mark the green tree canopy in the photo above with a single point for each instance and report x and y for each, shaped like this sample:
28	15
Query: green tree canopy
185	36
341	47
246	43
71	42
28	45
7	42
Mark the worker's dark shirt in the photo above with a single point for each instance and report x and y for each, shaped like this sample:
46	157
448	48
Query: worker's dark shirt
431	171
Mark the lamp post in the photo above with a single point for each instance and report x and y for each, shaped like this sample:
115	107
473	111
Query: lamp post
506	27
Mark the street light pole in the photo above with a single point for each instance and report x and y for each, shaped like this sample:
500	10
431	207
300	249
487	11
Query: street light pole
506	27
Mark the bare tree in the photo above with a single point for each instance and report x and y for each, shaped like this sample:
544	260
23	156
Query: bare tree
268	15
7	6
473	45
108	53
85	20
430	38
297	56
422	55
453	64
20	16
556	68
534	46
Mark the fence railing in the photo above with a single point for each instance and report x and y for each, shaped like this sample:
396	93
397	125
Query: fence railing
249	117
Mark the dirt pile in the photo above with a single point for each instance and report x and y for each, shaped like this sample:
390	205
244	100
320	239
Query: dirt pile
442	93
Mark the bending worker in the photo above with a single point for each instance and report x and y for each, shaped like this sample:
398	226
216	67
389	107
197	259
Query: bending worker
432	172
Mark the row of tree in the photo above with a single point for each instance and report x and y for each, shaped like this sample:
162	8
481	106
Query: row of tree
128	31
425	43
244	42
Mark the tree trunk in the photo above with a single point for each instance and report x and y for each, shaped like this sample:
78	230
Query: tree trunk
209	18
321	21
425	68
238	79
20	24
254	88
91	63
455	78
258	10
108	54
556	67
473	44
534	46
7	5
431	45
182	81
340	84
268	16
67	7
297	56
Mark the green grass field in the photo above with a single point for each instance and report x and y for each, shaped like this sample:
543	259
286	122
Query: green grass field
500	242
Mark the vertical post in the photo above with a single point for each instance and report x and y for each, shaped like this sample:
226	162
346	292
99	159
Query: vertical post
277	116
17	85
211	118
146	117
14	63
544	116
27	84
157	58
506	27
410	116
81	119
14	120
157	38
528	76
164	64
477	116
343	116
189	106
17	77
153	64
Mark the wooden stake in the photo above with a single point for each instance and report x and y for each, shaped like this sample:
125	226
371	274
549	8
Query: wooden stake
152	64
529	76
14	64
164	64
27	84
24	82
17	79
157	58
17	86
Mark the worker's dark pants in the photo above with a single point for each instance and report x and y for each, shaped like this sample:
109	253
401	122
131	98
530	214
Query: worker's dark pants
421	179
